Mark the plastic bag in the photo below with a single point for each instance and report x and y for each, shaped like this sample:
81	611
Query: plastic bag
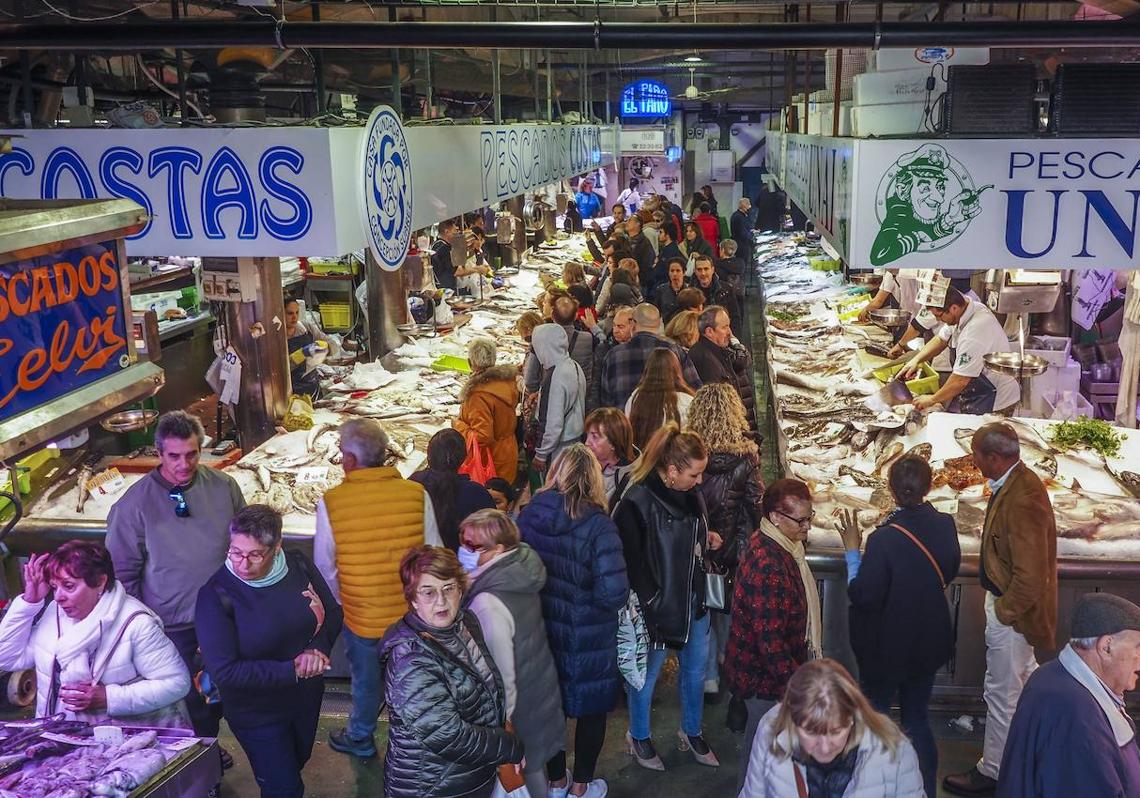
632	643
479	465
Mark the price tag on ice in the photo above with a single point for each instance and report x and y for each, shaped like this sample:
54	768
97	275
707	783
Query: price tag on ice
312	475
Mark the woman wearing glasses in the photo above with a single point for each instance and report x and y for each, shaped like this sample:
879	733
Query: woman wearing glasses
776	623
445	698
266	625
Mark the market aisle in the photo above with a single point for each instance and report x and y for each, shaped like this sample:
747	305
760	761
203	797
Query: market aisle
333	775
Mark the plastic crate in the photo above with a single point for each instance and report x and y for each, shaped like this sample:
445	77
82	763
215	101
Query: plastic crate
333	267
451	363
926	384
1053	349
336	315
1081	405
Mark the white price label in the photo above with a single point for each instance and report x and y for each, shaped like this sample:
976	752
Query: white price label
312	475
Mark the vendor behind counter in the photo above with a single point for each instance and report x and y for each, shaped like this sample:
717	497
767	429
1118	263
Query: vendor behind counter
301	335
970	331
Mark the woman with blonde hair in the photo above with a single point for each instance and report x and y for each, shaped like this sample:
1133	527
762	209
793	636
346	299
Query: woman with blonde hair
661	396
489	407
682	328
825	739
506	577
665	537
572	274
610	437
566	524
732	489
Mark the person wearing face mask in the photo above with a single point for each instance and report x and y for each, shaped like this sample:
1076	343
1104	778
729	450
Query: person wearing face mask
506	577
824	739
1071	734
776	620
665	538
100	655
609	435
586	585
267	622
446	705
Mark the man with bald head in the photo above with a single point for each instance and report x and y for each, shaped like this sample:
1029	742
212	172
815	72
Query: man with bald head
625	363
1018	569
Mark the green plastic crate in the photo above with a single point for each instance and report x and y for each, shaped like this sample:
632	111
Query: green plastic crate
451	363
926	384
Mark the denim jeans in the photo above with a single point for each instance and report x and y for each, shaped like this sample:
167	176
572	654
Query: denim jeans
364	667
278	751
691	683
914	702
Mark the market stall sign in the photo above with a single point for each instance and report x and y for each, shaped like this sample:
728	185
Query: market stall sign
643	140
387	188
459	168
818	174
62	324
645	99
224	192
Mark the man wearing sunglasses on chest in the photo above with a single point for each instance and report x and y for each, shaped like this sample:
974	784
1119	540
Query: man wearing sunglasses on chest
167	535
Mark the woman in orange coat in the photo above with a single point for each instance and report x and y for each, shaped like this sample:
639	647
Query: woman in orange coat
490	402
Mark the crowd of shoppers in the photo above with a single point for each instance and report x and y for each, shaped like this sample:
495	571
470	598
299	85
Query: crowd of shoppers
626	481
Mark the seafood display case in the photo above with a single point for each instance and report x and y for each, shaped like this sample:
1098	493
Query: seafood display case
834	435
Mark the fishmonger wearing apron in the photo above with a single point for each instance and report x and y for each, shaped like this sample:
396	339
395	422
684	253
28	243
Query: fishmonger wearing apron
299	335
971	332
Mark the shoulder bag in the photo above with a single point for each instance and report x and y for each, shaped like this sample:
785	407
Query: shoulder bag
924	550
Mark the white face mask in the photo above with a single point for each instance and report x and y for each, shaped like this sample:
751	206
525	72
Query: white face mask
468	558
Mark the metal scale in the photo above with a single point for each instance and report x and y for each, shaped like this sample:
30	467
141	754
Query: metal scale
1021	292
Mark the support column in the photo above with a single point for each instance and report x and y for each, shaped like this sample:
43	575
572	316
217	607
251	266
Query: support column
264	357
387	307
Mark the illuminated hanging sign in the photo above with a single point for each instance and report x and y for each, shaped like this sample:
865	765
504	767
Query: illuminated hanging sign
645	99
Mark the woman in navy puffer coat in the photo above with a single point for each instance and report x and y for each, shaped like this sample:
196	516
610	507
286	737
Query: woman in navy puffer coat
586	585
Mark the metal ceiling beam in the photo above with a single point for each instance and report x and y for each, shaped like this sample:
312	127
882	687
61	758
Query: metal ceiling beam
133	37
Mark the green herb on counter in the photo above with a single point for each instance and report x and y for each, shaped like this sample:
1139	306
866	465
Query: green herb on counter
1092	433
785	315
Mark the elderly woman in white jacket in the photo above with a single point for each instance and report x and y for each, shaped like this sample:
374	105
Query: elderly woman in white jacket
99	654
825	739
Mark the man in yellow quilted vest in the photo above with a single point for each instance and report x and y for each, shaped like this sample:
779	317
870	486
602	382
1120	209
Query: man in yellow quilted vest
364	526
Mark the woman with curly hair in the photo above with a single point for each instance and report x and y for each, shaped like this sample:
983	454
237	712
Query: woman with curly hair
732	490
661	396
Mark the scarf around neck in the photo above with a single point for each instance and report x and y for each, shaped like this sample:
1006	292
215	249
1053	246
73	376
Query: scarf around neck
811	592
278	572
76	646
1109	704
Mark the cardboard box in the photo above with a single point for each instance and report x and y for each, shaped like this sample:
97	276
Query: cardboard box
890	120
902	86
892	58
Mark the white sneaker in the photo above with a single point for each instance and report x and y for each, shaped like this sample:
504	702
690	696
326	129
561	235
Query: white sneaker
596	789
712	686
560	792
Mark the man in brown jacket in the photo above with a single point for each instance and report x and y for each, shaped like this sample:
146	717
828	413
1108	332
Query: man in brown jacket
1018	569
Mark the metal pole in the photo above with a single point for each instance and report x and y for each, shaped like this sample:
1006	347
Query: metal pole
609	110
838	77
25	74
549	90
496	77
318	63
214	35
537	106
429	110
394	66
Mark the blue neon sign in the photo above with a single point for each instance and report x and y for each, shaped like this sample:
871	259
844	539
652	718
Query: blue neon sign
645	99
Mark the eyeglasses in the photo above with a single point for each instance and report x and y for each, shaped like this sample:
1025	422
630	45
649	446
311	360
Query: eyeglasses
181	508
431	595
252	557
806	520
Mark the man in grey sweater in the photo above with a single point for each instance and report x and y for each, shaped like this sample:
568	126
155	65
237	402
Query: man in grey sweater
168	534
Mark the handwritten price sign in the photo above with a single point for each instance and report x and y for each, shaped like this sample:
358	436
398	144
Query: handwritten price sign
62	325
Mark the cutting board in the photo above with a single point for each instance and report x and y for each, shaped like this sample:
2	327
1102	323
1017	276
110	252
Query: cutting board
144	465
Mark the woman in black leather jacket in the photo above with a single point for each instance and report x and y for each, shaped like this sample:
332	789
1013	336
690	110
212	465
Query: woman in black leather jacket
732	488
665	535
444	694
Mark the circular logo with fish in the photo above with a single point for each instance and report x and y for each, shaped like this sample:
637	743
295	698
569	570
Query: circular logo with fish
387	188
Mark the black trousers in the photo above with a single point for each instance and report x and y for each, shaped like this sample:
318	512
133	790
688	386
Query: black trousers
205	718
278	751
914	703
589	737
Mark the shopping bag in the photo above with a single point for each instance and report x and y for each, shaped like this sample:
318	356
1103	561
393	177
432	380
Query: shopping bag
479	465
632	643
501	791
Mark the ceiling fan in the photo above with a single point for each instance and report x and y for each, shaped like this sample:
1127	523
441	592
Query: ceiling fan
693	93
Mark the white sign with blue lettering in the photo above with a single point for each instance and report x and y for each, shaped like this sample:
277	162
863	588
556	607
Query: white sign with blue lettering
386	189
217	192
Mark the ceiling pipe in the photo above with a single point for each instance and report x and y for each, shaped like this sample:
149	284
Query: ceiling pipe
597	35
